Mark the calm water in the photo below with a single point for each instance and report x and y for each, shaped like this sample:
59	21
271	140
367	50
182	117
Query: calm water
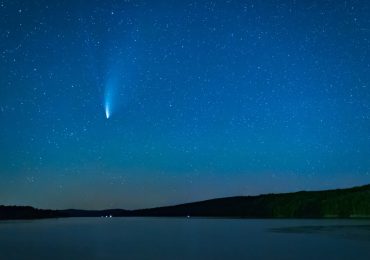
178	238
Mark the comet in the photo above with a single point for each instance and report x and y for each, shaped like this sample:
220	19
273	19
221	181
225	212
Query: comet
113	92
110	90
107	113
108	103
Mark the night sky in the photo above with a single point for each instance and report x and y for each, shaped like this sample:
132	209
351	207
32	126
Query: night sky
130	104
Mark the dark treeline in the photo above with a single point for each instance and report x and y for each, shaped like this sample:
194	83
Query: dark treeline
340	203
21	212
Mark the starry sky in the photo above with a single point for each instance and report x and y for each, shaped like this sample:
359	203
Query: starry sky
205	99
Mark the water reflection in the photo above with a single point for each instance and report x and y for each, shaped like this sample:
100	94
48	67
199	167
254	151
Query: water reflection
355	232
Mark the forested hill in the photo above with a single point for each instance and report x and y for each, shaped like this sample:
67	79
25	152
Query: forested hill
340	203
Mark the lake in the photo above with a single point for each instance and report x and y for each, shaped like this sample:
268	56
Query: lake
184	238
